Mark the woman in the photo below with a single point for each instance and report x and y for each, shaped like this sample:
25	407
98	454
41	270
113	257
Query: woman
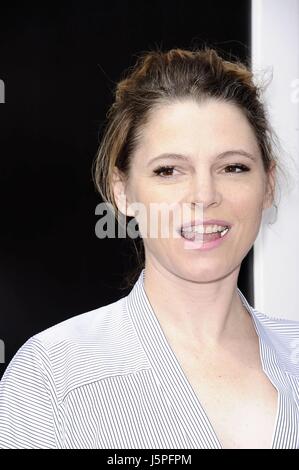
183	361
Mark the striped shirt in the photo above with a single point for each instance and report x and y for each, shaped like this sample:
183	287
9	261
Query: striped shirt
109	379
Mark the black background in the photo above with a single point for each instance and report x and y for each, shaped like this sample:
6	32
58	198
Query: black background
60	62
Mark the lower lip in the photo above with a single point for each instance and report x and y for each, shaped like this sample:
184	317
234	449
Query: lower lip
202	245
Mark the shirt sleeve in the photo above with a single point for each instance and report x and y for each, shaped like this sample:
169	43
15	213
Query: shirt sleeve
27	418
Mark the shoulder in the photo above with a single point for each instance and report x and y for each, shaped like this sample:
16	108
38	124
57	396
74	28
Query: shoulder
85	348
84	326
283	335
283	326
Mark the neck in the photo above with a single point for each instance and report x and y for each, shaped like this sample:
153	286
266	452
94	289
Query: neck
204	314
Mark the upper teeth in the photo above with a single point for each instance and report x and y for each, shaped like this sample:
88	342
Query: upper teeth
204	228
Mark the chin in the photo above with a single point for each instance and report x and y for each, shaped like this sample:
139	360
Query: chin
197	274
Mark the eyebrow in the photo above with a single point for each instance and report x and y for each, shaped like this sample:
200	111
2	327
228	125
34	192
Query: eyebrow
180	156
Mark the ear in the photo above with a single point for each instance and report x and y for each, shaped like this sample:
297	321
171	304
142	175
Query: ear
270	186
119	192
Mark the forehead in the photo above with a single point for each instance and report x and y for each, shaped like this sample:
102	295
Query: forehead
188	127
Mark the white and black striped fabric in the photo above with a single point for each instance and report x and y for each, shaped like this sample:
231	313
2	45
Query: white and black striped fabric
109	379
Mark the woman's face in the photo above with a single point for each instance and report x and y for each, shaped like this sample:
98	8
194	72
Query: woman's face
200	133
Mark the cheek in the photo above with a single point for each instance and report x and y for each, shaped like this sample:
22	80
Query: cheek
142	192
168	193
248	203
154	204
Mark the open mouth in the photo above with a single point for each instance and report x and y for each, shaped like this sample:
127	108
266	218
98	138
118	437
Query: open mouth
196	233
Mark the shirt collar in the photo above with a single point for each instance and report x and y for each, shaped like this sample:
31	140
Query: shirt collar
280	335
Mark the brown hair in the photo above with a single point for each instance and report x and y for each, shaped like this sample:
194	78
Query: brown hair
159	78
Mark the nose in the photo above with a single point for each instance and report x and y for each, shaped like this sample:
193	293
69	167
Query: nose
203	189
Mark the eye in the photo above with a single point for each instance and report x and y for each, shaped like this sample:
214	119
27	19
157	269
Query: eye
168	169
238	165
162	169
